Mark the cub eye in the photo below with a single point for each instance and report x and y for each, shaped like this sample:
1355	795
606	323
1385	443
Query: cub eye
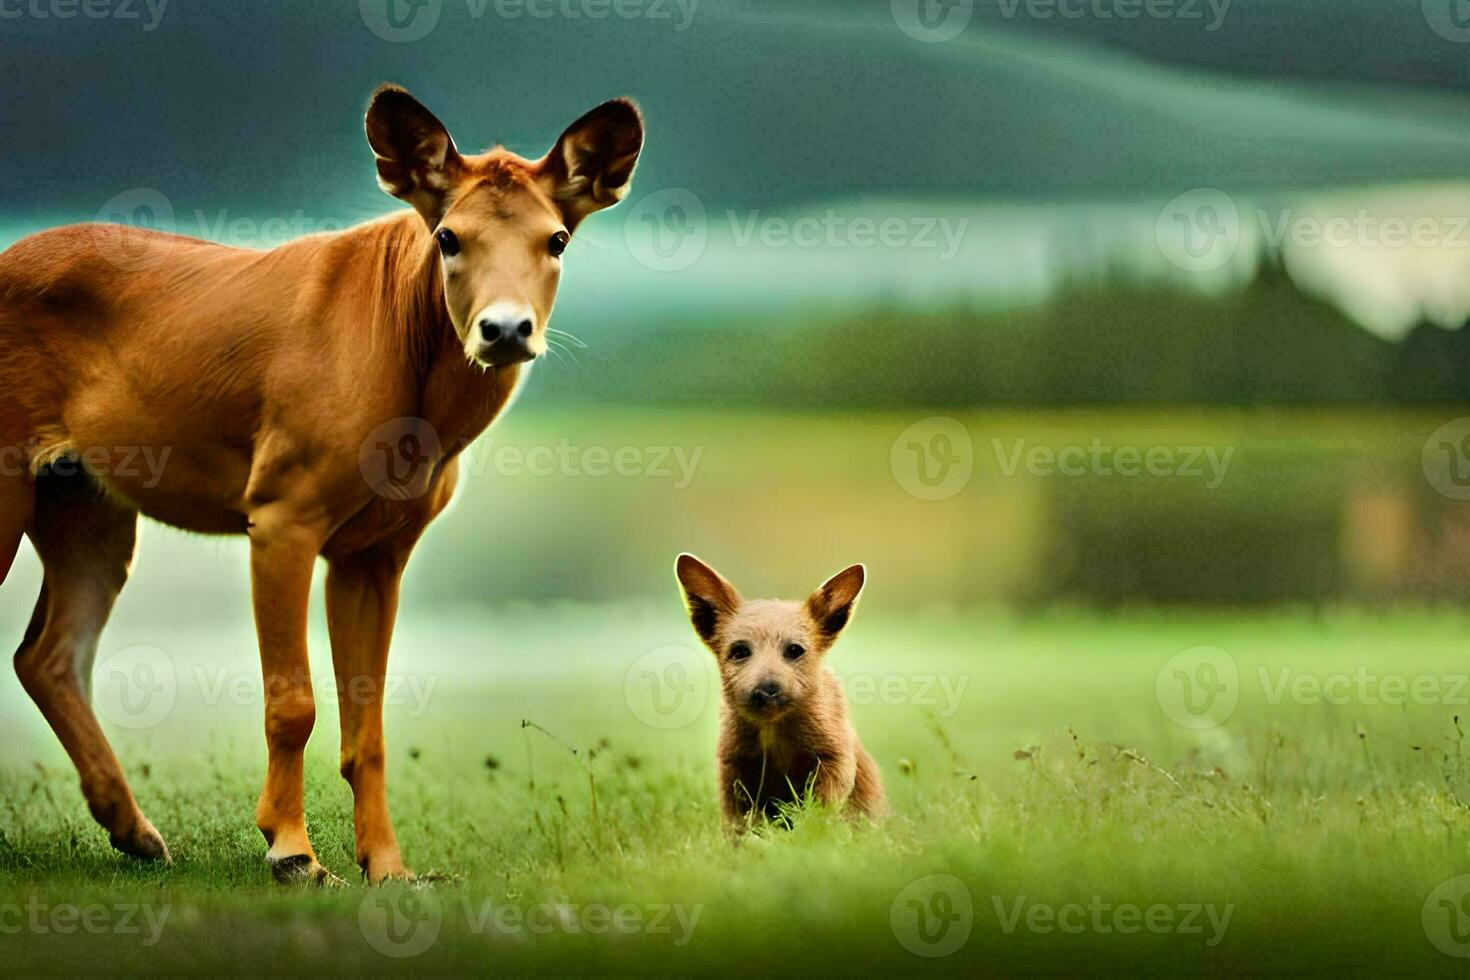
558	244
448	242
794	651
740	651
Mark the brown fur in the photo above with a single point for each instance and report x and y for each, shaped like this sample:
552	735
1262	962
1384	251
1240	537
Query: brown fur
773	745
262	375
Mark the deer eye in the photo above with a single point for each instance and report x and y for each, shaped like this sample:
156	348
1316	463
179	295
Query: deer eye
740	651
794	651
448	242
558	244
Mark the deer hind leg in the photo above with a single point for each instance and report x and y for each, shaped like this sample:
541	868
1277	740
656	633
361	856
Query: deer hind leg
86	544
17	503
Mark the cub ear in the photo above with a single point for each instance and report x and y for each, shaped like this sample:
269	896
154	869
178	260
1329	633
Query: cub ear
417	161
591	165
831	605
706	593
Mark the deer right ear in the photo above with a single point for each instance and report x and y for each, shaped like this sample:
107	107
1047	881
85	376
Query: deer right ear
417	161
708	596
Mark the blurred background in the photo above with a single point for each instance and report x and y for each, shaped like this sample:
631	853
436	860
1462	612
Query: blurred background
1017	302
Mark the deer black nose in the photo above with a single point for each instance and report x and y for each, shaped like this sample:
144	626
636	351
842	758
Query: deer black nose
506	333
512	331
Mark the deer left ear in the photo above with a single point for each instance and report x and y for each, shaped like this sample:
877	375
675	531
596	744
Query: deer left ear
417	161
831	606
591	166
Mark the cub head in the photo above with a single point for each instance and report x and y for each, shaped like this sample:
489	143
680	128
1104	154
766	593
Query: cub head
769	651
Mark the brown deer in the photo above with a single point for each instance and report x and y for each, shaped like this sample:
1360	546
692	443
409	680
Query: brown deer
276	382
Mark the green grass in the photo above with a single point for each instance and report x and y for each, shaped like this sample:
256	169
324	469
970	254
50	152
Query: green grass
1054	778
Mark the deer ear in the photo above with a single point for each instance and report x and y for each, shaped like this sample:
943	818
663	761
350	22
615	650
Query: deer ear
708	596
831	605
591	165
417	161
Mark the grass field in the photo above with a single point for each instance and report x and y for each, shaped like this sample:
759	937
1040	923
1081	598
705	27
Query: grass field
1036	764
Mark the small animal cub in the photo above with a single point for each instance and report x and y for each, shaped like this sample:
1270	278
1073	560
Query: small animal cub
784	720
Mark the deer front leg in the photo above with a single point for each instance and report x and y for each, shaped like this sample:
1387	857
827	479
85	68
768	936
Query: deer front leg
282	554
362	602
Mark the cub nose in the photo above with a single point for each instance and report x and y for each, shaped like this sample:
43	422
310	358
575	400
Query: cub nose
765	693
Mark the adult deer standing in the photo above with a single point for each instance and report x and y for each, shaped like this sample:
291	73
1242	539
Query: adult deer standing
272	379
